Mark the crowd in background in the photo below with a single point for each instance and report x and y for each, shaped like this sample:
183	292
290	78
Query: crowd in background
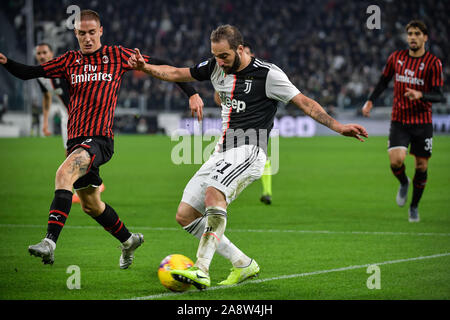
324	46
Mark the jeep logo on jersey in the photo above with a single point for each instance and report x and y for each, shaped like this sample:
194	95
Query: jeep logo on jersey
239	105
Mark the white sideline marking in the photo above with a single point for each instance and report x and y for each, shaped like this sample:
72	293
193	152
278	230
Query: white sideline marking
290	276
247	230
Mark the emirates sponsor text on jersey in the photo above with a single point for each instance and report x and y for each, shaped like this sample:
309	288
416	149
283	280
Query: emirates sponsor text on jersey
90	74
408	77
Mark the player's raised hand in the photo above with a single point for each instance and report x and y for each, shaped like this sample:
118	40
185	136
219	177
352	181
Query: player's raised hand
366	108
136	60
3	58
196	106
412	94
354	130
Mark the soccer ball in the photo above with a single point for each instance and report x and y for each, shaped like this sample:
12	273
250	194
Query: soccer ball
173	262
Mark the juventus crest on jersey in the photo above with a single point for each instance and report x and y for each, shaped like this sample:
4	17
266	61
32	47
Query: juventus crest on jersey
249	99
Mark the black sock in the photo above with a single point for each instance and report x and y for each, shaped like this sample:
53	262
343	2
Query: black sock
419	182
59	210
400	174
111	222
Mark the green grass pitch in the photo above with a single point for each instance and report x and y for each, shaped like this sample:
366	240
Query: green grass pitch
333	215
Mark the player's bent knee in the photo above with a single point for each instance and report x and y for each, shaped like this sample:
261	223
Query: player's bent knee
87	208
186	214
63	177
91	209
181	219
397	162
214	197
421	164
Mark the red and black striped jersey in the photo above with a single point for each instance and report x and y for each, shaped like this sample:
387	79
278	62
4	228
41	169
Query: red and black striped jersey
418	73
94	81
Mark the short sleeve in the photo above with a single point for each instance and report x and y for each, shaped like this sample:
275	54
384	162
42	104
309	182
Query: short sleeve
388	70
203	70
279	87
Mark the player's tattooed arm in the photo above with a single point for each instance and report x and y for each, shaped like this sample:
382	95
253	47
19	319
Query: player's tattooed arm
321	117
315	111
162	72
169	73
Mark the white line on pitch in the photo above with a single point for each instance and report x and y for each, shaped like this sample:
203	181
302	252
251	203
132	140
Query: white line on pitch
248	230
290	276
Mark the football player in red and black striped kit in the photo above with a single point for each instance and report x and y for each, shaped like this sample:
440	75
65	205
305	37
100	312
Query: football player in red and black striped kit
94	74
418	82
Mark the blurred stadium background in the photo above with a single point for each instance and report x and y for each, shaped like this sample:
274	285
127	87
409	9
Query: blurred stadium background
324	46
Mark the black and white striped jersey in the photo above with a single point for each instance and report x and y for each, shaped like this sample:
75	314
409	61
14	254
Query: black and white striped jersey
249	99
58	88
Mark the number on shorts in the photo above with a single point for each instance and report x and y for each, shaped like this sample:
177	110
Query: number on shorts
226	165
428	144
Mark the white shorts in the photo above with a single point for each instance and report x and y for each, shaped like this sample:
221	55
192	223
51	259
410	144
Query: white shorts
230	172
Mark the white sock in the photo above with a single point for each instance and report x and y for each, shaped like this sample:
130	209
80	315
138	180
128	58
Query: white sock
228	250
216	221
225	248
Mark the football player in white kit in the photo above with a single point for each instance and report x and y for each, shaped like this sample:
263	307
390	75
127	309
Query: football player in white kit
249	90
55	95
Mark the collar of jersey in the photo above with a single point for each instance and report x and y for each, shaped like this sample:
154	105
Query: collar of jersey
417	57
90	54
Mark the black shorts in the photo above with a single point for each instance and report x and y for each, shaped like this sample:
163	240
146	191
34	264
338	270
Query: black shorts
420	136
100	149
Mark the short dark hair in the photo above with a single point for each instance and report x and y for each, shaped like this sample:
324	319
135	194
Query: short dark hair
45	44
229	33
248	45
417	24
89	14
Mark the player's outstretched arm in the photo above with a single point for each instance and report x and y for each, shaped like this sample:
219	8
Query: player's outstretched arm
162	72
379	88
315	111
21	71
137	62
